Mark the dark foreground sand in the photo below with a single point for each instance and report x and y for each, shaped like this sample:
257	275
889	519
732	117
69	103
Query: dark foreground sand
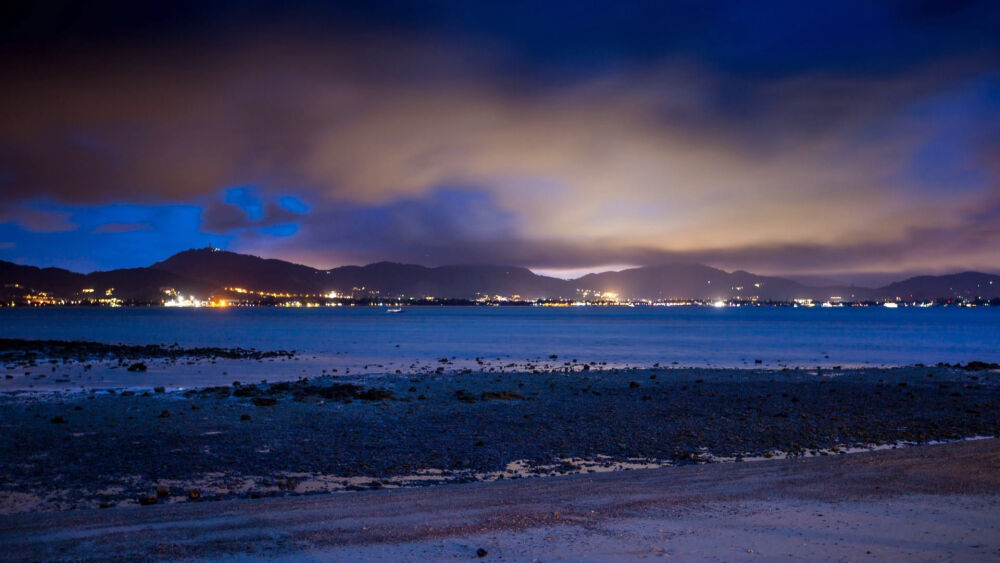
936	502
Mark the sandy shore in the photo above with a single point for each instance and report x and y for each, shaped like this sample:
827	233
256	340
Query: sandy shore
432	463
939	502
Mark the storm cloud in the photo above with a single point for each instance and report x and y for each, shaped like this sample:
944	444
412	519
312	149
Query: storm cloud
762	139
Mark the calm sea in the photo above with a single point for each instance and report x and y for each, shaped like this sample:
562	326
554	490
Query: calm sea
690	336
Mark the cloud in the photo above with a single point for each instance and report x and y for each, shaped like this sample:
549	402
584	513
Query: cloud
109	236
455	226
36	218
446	226
244	207
220	217
433	148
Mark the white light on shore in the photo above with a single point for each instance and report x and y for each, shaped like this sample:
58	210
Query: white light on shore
719	304
181	301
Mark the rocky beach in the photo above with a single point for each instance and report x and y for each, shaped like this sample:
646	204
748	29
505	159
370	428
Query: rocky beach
110	448
499	281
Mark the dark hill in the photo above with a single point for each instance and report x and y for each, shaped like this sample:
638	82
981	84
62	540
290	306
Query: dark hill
464	281
142	284
206	272
697	281
968	285
52	280
220	268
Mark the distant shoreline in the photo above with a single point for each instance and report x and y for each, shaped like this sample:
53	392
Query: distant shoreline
444	302
209	276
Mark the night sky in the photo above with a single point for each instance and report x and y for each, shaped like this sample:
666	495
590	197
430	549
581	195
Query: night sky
779	137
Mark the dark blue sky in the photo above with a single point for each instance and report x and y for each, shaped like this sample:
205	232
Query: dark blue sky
780	137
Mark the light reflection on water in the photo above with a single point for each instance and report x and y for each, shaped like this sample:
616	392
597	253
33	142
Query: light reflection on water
691	336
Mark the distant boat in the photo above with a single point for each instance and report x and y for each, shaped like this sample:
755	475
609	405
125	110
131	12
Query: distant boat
395	310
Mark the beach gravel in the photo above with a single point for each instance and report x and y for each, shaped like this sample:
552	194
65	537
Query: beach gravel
117	447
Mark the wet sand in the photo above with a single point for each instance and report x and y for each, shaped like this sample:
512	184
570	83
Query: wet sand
939	502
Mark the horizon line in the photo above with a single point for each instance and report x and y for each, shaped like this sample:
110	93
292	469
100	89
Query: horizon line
549	272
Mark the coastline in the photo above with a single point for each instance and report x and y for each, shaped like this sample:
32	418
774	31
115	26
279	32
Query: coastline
502	457
115	448
930	502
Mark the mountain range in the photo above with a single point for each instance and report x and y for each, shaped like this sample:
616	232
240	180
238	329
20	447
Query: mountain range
208	272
